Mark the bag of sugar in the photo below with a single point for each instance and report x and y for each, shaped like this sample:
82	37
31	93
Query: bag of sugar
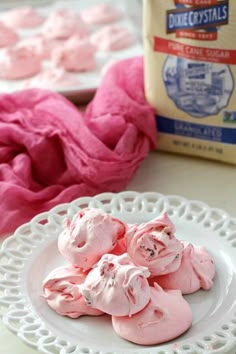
190	73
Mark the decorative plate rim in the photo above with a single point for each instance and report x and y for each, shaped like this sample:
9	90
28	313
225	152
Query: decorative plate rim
18	315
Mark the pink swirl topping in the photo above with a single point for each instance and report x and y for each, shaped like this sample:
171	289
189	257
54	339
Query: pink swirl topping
18	63
89	235
154	246
61	291
112	38
23	17
63	24
76	55
197	270
101	14
38	45
7	35
116	286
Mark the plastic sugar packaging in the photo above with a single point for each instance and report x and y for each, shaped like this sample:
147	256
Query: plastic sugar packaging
190	72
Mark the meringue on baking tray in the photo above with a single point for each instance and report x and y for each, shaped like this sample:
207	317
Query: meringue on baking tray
19	63
78	41
136	273
23	17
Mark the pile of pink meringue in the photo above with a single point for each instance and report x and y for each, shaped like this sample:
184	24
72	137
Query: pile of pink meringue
67	40
135	273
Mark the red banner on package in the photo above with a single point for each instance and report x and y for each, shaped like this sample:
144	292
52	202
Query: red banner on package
197	2
201	36
214	55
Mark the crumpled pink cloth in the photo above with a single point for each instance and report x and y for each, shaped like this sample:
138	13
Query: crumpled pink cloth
51	153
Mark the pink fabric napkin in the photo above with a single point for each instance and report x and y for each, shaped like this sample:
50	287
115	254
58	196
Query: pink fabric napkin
50	153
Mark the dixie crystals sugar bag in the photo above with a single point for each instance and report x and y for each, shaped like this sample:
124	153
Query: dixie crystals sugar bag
190	73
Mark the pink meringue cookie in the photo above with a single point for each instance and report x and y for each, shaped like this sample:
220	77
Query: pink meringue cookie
54	78
89	235
116	286
166	317
61	291
18	63
23	17
100	14
38	45
112	38
63	24
41	45
154	246
197	270
120	248
77	55
7	35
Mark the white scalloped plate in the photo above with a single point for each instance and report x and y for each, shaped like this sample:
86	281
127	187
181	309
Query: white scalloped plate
28	255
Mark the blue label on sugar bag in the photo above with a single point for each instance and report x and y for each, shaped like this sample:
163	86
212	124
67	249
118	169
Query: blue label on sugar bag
184	18
197	131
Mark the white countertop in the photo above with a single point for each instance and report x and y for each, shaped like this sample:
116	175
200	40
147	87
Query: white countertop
192	178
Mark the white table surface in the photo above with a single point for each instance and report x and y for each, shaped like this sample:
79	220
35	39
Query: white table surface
208	181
